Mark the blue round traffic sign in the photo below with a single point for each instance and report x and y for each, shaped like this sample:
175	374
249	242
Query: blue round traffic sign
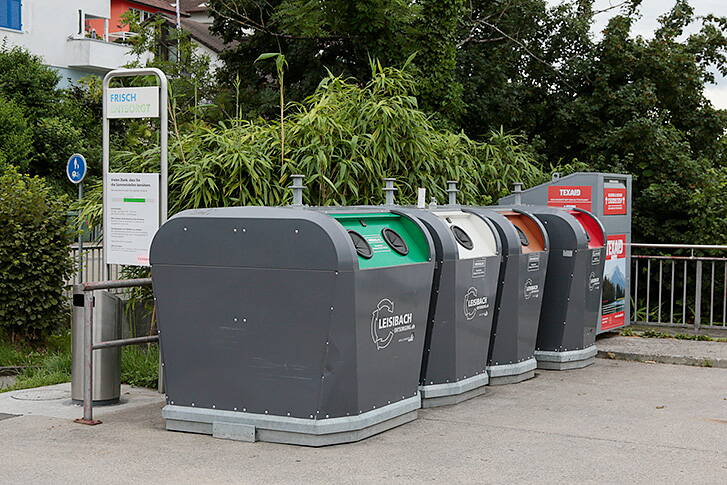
76	168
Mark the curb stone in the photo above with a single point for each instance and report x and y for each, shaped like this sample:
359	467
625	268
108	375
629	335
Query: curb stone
662	359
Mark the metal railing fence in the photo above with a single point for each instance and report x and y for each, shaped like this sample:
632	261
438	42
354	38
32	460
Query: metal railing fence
679	285
92	268
88	346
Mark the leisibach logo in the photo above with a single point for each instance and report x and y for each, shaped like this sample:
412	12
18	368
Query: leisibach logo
474	303
531	290
594	282
384	324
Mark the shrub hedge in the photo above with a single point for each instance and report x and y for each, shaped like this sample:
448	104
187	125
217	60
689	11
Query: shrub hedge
34	256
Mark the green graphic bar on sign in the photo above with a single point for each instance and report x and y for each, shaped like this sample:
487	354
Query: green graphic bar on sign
134	200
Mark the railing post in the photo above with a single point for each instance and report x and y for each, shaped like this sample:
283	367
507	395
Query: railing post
634	314
88	360
698	297
671	304
648	288
661	267
684	294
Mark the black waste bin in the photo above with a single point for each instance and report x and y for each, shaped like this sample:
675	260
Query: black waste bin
520	293
468	254
572	294
291	325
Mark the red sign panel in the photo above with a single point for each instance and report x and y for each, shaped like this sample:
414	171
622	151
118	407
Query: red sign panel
614	201
570	196
614	283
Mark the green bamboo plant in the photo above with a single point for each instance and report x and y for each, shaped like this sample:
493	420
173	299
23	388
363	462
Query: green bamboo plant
280	65
344	138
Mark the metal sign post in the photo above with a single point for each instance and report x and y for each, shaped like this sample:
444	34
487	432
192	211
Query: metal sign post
134	103
76	170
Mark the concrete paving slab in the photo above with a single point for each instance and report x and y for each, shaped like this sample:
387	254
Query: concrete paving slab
664	350
55	402
613	422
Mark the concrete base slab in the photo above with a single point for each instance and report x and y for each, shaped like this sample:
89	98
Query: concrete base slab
334	438
244	426
235	432
575	364
512	373
572	359
434	402
503	380
434	395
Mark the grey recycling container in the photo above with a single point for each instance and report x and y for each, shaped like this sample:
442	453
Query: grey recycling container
572	295
511	356
608	197
461	310
291	325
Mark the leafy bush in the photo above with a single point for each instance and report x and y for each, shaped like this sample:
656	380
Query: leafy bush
344	139
26	80
56	139
41	125
16	138
34	258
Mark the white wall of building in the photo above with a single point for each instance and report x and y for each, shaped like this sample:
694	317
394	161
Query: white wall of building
50	29
215	61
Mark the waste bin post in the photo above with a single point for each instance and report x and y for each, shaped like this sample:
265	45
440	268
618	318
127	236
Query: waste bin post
389	190
452	192
88	360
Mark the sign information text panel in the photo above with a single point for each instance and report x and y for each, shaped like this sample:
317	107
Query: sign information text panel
132	217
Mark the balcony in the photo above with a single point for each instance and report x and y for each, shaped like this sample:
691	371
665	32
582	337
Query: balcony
93	48
97	55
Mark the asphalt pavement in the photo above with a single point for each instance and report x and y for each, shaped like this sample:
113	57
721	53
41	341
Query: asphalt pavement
614	422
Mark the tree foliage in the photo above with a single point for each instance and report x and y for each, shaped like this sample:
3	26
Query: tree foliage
616	102
339	36
43	125
622	103
439	89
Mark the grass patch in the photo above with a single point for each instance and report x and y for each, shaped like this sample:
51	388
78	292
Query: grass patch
140	365
649	333
10	355
47	369
52	364
23	354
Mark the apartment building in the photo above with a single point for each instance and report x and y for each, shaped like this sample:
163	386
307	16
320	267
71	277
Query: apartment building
82	37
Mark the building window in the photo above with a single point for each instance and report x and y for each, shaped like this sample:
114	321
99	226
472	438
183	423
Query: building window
10	14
